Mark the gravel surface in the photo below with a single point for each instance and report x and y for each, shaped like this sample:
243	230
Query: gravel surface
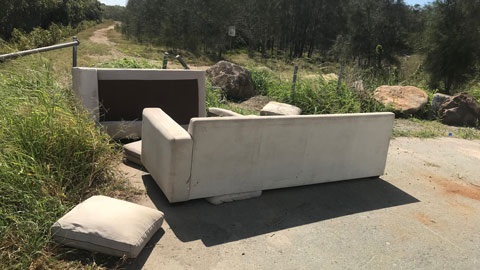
423	213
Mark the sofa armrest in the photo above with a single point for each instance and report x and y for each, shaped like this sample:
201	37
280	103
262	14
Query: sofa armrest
167	153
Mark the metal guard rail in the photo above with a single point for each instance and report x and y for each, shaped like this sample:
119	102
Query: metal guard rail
73	44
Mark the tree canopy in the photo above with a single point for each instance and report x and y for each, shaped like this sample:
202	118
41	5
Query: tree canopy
25	15
369	32
291	28
453	39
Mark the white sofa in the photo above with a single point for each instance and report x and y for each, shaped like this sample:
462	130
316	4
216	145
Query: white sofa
220	156
116	97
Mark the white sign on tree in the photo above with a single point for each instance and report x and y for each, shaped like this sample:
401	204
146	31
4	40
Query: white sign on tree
231	31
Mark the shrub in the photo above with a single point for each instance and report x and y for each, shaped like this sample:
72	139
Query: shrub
263	79
313	95
53	156
318	96
128	63
40	37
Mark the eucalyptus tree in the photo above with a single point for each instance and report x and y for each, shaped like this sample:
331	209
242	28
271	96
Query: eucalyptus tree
377	30
25	15
453	38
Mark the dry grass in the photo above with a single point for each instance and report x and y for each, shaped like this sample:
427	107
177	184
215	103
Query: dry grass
431	129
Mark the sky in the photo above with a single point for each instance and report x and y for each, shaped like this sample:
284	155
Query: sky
114	2
124	2
420	2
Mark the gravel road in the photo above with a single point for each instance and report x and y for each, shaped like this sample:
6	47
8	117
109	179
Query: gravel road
423	213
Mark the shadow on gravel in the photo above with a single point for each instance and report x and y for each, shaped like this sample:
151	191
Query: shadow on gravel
275	210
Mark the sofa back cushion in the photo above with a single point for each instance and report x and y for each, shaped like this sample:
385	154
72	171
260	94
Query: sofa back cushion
242	154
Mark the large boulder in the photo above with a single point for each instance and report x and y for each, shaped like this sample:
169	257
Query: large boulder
404	99
461	110
234	80
436	104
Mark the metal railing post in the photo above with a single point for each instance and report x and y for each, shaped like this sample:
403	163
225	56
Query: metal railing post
74	57
180	59
165	60
294	82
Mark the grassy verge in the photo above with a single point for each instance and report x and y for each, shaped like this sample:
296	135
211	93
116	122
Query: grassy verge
432	129
52	157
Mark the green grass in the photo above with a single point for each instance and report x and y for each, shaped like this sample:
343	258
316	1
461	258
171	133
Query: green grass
418	128
312	94
127	63
52	157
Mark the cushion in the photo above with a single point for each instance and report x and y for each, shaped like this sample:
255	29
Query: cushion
133	152
277	108
213	111
106	225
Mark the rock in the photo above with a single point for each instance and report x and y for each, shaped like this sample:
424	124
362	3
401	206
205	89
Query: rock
405	99
461	110
219	112
255	103
277	108
234	80
437	101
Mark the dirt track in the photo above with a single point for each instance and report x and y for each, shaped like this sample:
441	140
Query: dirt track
100	36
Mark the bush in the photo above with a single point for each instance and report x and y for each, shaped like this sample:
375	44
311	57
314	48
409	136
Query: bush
53	156
313	95
263	78
40	37
318	96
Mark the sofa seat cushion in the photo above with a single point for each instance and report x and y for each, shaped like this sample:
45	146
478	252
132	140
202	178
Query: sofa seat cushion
133	152
106	225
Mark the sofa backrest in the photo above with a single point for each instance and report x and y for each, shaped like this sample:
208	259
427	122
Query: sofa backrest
116	97
243	154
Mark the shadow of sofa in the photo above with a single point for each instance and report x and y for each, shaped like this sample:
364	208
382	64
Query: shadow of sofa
219	156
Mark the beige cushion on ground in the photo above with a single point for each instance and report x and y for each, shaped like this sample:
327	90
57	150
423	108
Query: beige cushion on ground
277	108
133	152
109	226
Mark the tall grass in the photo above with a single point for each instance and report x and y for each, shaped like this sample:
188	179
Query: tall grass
52	157
313	94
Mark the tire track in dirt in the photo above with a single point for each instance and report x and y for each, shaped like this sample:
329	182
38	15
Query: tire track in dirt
100	36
